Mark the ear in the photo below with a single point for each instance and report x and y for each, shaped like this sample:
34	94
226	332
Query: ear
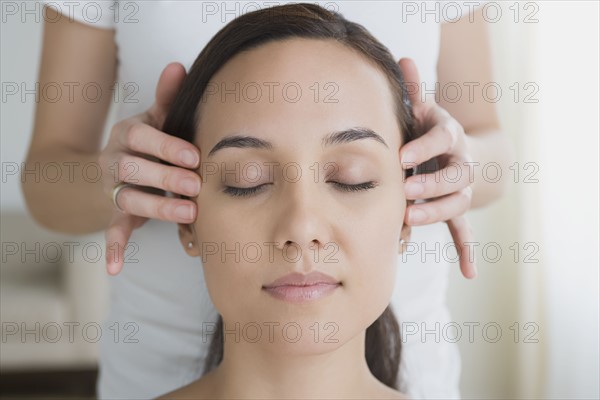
405	231
187	234
405	235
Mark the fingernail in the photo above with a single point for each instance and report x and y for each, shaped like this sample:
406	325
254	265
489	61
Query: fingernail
191	186
184	212
409	160
413	189
188	157
112	268
417	215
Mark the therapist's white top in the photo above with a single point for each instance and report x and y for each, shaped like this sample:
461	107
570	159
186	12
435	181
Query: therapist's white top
160	301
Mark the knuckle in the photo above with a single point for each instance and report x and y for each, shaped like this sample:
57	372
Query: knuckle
460	130
115	230
468	192
162	209
452	135
163	149
433	214
463	168
433	188
132	133
165	180
125	161
460	223
467	195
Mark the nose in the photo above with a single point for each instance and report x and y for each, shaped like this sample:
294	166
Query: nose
303	221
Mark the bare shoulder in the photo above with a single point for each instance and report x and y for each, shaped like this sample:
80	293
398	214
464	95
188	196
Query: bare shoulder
386	392
393	394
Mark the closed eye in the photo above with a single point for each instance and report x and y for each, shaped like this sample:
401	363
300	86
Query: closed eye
355	188
242	192
245	192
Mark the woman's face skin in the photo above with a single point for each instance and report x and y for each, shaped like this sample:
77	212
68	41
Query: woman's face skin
350	235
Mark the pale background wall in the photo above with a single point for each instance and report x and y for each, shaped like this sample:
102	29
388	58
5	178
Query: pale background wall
558	215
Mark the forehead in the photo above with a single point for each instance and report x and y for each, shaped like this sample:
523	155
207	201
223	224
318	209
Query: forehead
294	92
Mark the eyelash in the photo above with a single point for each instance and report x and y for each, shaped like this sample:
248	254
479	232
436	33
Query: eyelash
245	192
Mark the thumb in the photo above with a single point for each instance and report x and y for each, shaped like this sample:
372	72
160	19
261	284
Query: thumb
411	79
169	83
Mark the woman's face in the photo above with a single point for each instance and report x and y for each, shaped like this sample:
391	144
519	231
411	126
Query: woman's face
294	94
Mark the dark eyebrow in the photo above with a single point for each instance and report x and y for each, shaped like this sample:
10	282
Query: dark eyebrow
334	138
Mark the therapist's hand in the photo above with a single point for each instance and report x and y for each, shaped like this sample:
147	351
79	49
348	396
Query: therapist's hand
133	155
444	138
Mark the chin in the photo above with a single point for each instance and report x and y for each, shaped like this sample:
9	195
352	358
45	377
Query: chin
309	337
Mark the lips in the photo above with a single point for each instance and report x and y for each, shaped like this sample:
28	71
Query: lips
298	279
299	288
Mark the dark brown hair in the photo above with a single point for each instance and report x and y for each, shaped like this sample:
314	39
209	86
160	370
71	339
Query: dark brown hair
302	20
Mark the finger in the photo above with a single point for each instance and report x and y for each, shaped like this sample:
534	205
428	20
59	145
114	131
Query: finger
168	86
143	138
138	202
462	234
411	80
440	209
170	179
117	236
452	178
441	139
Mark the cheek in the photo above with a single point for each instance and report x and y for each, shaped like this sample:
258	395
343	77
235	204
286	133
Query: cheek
225	253
377	258
374	252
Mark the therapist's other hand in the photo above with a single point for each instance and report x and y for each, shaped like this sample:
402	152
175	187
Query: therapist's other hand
444	138
133	155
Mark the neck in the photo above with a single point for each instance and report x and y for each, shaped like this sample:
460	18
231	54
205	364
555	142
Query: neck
254	370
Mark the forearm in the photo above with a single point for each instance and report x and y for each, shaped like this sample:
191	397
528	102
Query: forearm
63	191
494	153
